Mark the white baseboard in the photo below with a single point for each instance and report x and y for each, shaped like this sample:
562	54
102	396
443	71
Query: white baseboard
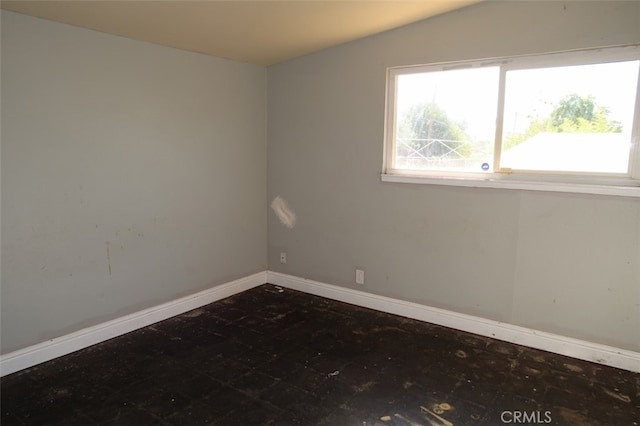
45	351
588	351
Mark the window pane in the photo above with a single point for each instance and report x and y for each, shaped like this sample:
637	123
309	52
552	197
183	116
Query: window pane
574	118
446	120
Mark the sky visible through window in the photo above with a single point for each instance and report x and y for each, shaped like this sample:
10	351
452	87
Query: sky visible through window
533	93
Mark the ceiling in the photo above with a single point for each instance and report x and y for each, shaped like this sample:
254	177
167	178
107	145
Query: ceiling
262	32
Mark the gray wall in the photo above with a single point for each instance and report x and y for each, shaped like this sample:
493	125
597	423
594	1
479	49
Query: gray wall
158	156
563	263
132	174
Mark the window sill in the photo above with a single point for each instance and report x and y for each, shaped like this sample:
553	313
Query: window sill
528	185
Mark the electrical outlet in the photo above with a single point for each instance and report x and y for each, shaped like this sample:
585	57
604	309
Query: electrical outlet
283	257
359	276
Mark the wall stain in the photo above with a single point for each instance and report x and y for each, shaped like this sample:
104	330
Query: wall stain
129	231
108	258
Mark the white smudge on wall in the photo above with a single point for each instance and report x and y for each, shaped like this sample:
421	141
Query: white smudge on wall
284	212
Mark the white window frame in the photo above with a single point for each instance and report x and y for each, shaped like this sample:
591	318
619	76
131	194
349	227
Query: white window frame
590	183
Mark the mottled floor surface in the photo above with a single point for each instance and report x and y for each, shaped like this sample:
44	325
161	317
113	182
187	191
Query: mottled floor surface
274	356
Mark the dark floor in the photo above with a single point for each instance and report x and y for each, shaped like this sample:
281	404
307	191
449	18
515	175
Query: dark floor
276	356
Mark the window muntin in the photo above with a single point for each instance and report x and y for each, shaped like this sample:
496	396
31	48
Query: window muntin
518	91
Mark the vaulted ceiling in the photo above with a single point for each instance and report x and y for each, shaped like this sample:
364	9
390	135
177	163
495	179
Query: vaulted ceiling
262	32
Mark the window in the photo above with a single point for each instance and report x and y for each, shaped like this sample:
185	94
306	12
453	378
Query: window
565	121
